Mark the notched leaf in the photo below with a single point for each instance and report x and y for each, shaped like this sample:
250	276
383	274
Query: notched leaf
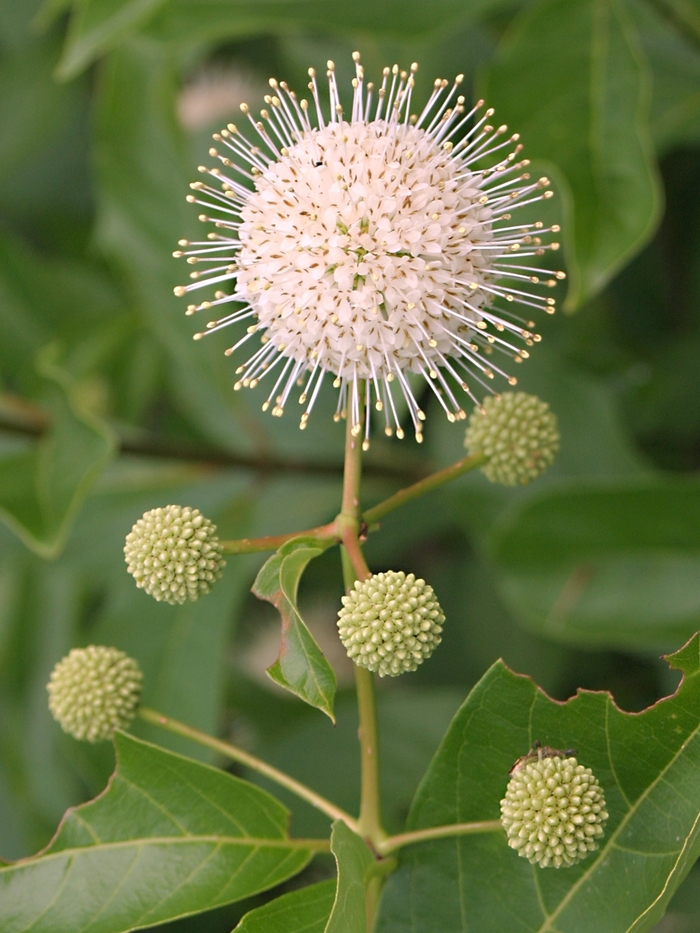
300	666
648	765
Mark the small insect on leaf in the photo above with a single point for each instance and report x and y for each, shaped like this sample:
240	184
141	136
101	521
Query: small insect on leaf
540	751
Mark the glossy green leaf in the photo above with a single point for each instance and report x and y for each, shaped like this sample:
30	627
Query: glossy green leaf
169	837
604	565
569	77
356	865
300	666
97	26
304	911
648	765
43	485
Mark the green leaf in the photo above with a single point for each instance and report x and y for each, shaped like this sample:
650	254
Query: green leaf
604	565
647	764
304	911
169	837
43	486
674	59
570	79
356	866
300	666
97	26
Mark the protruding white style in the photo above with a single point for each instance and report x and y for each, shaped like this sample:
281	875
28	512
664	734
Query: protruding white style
93	691
371	246
174	554
390	623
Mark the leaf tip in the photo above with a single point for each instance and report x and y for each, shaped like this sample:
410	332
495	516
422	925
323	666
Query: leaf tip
687	658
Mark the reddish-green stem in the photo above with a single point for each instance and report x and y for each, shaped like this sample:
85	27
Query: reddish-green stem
344	528
327	533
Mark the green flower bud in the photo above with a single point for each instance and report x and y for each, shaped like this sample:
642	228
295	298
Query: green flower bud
174	553
518	433
390	623
553	811
94	691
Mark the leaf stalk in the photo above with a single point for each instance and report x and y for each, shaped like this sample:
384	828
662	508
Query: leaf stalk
249	761
394	843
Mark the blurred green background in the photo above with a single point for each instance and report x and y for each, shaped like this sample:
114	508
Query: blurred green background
108	409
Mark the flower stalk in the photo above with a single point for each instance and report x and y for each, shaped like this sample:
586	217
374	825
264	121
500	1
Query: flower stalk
423	486
346	528
394	843
355	568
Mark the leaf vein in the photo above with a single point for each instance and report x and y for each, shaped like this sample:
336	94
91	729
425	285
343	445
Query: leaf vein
117	888
547	928
53	900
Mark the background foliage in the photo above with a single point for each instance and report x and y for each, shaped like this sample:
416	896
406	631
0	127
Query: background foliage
107	408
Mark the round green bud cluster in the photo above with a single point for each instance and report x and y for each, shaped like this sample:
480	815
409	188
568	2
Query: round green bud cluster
390	623
174	554
518	433
94	691
553	811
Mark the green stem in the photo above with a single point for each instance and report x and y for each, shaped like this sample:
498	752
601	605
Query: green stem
326	533
250	761
336	531
431	482
370	822
355	568
394	843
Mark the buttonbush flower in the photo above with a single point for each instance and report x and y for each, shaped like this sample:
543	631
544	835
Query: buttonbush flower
174	554
390	623
93	691
370	246
554	809
519	435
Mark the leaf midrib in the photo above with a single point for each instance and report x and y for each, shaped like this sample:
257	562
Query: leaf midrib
236	841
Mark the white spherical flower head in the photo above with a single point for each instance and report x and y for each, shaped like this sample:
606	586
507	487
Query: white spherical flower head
94	691
554	809
372	245
519	435
390	623
174	554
